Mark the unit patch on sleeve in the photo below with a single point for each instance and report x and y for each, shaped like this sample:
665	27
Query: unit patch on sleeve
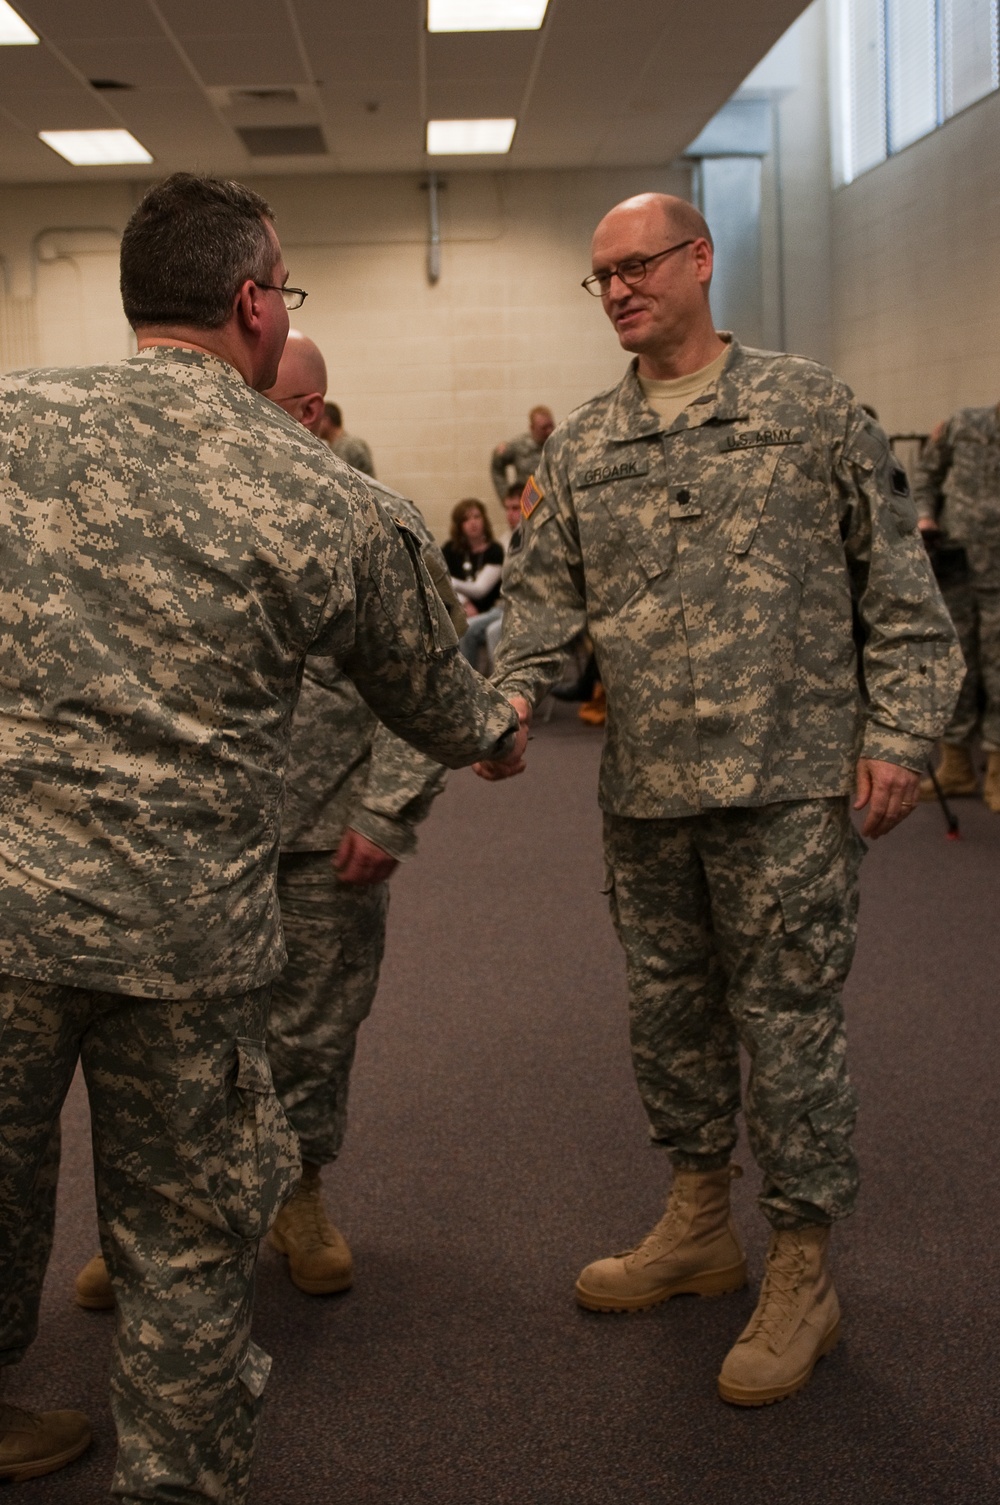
530	497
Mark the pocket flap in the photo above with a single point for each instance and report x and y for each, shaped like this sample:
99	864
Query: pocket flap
253	1073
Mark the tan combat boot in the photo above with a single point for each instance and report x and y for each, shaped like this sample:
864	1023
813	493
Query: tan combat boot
692	1250
319	1261
34	1443
991	784
955	774
796	1322
93	1286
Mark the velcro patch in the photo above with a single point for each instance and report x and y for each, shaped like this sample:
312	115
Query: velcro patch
530	497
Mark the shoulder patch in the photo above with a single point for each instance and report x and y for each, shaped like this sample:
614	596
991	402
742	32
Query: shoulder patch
530	497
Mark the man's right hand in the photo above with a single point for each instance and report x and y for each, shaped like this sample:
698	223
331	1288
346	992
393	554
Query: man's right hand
494	769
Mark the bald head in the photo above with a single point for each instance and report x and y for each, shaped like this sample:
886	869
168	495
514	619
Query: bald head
662	312
301	382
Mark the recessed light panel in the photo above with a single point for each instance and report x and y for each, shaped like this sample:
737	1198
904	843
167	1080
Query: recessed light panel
13	31
457	138
485	15
96	148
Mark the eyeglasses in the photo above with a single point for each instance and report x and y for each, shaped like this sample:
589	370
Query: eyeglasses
630	272
293	297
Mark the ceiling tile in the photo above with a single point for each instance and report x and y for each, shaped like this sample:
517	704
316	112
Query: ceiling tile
146	64
352	55
236	18
245	61
58	109
481	55
482	99
109	19
32	68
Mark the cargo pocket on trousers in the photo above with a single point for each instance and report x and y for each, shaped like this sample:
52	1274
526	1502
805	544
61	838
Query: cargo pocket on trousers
819	918
266	1162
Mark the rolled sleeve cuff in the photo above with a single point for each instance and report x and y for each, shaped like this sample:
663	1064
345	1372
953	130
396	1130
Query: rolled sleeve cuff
393	836
888	745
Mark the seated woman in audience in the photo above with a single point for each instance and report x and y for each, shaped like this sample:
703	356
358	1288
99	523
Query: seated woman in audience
475	562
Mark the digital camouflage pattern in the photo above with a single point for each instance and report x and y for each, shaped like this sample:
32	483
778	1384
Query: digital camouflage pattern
715	566
194	1156
174	545
345	767
354	452
780	883
335	934
957	484
523	454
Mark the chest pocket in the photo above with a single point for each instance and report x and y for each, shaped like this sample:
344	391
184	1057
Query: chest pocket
625	538
777	513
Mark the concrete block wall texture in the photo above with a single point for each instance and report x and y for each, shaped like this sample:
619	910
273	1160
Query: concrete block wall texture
433	377
916	291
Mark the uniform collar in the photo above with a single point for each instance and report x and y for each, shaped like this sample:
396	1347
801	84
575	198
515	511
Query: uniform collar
631	417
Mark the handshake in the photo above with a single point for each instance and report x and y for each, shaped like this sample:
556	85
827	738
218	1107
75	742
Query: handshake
493	769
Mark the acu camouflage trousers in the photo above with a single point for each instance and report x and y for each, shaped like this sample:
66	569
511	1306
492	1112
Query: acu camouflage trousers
193	1157
974	607
335	938
738	927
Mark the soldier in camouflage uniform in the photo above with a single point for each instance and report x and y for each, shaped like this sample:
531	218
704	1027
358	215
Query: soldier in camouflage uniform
174	546
522	453
957	491
354	794
714	521
348	447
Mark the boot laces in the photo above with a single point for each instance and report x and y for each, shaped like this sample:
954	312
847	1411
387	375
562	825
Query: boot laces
779	1296
309	1214
669	1230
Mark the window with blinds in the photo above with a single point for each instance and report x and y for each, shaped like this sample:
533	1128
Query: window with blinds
900	68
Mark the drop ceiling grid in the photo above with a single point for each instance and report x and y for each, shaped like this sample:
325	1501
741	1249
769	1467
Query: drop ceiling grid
595	86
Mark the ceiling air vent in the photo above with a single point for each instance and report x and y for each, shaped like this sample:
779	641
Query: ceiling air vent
282	140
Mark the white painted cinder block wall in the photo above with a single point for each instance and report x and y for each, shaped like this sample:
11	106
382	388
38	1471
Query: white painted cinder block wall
432	377
916	275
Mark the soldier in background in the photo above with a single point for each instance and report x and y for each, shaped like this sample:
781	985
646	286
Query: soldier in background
174	546
957	491
523	453
352	450
712	521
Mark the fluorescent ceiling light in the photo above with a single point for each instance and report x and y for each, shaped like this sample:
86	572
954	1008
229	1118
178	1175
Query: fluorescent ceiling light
13	31
485	15
454	138
96	148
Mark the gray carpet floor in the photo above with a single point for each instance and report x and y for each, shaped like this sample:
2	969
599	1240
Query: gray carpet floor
496	1144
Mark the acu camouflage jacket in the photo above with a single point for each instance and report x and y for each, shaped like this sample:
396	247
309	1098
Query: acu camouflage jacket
761	606
173	546
957	482
347	769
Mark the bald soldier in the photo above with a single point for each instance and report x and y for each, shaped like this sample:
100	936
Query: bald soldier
715	521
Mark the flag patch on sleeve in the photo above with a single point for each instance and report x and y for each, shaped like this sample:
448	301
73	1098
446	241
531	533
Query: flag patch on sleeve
530	497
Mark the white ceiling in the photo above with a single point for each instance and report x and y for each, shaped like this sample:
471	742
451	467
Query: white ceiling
604	83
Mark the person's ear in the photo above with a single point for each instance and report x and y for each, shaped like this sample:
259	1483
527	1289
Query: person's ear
311	410
248	305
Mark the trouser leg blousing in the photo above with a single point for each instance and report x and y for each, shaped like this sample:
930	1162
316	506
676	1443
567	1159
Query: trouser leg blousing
738	928
335	937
